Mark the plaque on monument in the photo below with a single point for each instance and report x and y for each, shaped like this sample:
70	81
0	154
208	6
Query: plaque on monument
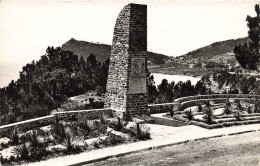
137	82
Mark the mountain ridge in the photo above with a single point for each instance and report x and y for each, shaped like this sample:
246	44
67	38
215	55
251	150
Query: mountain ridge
103	51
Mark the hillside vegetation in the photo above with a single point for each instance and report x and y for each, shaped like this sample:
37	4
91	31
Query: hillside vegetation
216	48
103	51
46	84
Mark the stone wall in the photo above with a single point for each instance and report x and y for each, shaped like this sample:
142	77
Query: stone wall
188	98
86	114
126	84
161	108
47	120
27	125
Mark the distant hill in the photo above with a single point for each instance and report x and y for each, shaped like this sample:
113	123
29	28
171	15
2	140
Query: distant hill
217	48
103	51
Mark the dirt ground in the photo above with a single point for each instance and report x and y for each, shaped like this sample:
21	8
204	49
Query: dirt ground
239	150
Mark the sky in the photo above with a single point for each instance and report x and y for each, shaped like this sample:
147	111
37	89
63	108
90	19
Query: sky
174	28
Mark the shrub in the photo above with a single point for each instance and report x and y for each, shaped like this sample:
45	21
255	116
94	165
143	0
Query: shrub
227	110
237	115
13	136
34	139
199	108
228	103
95	144
22	151
116	124
38	154
189	115
249	110
58	131
257	106
171	112
87	126
209	117
142	132
112	139
103	117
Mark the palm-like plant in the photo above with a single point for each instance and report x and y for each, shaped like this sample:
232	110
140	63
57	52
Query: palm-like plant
22	151
34	139
87	126
237	115
14	137
257	105
209	117
189	114
142	131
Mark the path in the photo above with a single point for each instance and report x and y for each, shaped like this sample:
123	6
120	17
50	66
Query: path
161	136
240	150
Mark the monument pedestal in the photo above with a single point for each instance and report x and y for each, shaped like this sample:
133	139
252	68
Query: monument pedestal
126	85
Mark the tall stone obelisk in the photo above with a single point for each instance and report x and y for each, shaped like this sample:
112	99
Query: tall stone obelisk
126	84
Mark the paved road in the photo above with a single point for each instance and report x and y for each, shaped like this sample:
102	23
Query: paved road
236	150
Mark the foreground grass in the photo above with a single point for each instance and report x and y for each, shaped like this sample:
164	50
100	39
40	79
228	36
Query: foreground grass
231	150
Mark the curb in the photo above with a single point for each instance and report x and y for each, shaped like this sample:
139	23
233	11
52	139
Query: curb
159	146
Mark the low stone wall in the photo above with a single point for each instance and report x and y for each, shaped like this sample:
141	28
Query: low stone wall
161	108
88	114
188	98
27	124
191	103
47	120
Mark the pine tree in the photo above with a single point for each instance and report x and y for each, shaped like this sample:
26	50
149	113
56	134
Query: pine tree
247	55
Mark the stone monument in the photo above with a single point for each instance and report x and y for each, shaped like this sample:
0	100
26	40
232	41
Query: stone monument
126	84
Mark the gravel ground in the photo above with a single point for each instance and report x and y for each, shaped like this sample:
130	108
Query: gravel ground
239	150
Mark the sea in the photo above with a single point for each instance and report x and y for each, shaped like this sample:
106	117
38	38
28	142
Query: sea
9	72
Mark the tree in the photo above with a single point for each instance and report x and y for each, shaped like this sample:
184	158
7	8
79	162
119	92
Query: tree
247	55
151	88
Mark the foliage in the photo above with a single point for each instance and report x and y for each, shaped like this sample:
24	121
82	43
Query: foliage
103	117
22	151
87	126
257	106
237	115
14	136
34	139
246	84
45	84
248	54
116	124
168	92
151	88
199	108
112	140
189	114
140	131
209	117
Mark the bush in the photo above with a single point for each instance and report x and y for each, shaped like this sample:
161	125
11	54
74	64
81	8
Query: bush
227	110
249	110
116	124
237	115
22	151
199	108
142	132
95	144
103	117
189	115
13	136
58	132
34	139
112	139
38	154
209	117
87	126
